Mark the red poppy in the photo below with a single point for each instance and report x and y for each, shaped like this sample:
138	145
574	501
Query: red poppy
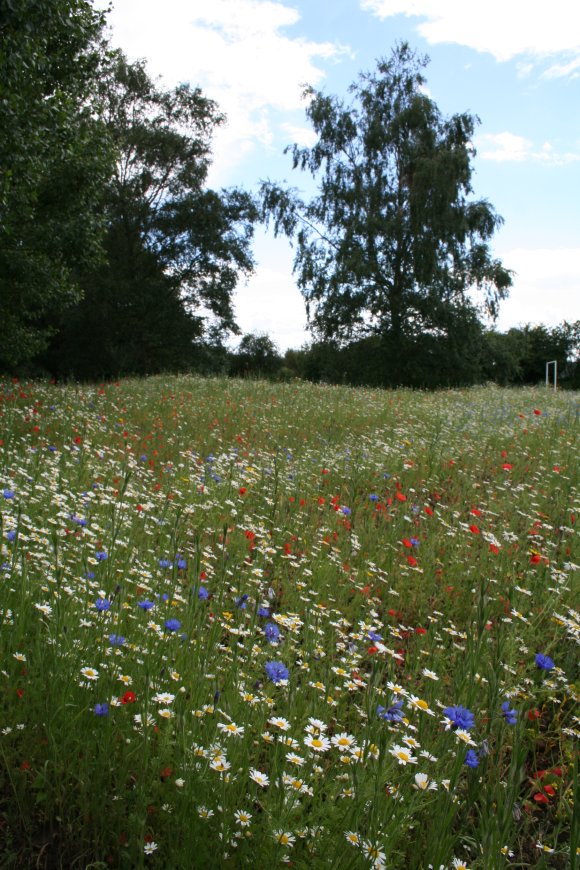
128	698
474	530
535	558
400	496
407	543
537	412
372	650
494	549
541	798
412	561
242	490
428	511
507	466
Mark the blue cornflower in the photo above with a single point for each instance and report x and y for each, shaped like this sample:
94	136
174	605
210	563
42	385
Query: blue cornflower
263	611
116	639
101	709
143	457
11	535
52	449
510	716
8	494
460	717
346	510
373	497
103	604
241	601
202	593
101	555
145	604
272	632
545	663
172	624
471	758
164	563
391	714
180	562
276	671
374	635
415	542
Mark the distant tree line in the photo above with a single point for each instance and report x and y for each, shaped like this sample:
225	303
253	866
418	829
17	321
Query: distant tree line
117	258
515	357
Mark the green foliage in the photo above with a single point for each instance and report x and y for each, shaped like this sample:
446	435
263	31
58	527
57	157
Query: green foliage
519	356
411	548
174	249
256	355
391	243
55	155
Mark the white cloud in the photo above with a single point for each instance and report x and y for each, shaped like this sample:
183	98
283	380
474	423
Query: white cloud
508	147
504	28
560	70
546	287
303	136
503	146
270	302
236	51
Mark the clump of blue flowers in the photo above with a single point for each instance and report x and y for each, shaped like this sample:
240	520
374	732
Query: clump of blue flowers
272	632
394	713
460	717
545	663
277	672
471	758
510	716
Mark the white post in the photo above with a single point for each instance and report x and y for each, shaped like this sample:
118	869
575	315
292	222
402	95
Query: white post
553	362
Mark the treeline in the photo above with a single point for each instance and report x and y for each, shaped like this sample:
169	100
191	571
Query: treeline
515	357
115	255
117	258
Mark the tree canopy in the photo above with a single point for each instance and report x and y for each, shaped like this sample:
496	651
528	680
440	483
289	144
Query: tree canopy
391	244
55	156
174	248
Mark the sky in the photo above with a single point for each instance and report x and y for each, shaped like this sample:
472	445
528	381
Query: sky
513	63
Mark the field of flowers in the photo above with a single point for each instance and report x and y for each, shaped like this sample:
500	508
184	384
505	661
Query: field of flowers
251	624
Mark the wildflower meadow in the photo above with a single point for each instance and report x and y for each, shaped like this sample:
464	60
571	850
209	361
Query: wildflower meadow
253	624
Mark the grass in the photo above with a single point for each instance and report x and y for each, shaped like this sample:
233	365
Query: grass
402	557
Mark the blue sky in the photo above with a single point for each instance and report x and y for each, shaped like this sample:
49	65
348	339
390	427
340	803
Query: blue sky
514	64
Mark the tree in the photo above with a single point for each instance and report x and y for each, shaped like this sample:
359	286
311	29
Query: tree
55	156
391	244
519	356
256	355
175	249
